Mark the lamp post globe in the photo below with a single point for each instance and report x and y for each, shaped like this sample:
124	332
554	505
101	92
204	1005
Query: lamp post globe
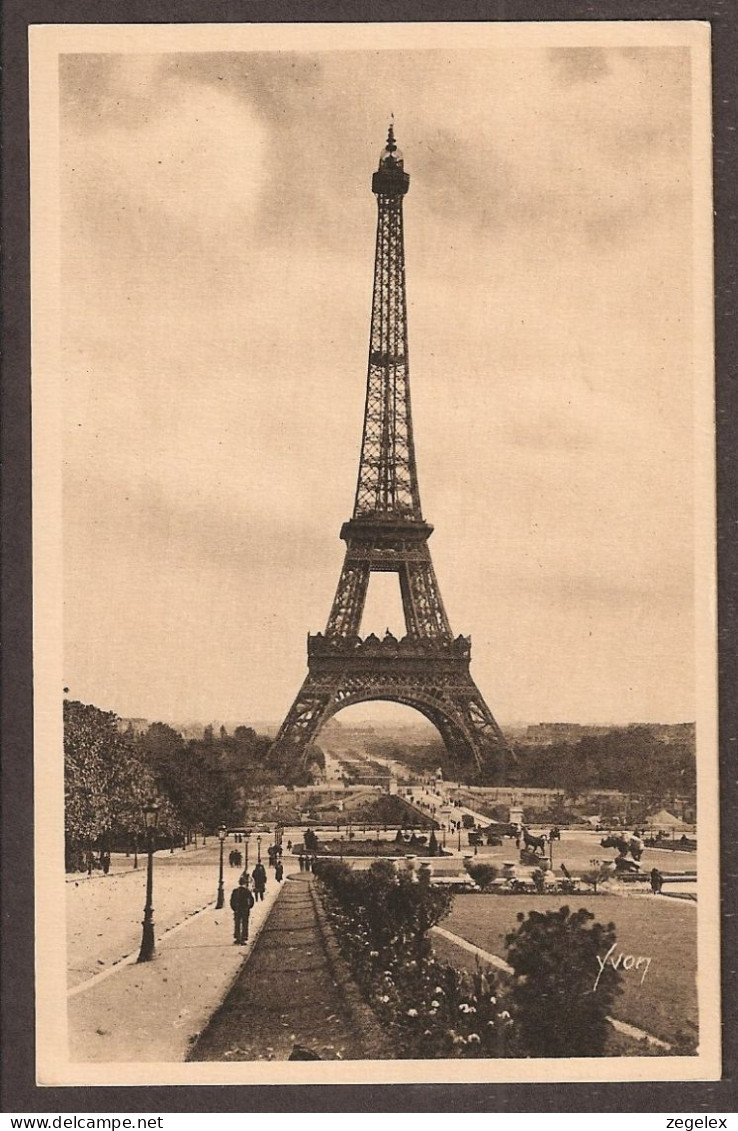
221	898
151	817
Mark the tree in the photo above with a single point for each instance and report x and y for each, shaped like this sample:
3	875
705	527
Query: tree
105	783
311	840
482	874
161	742
562	988
596	876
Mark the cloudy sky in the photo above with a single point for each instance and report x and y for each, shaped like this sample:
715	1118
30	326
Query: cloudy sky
217	252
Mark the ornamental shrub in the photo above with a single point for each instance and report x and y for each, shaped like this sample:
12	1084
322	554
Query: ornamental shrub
483	874
559	1004
596	876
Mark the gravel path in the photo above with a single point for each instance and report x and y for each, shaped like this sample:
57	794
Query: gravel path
122	1010
104	913
286	996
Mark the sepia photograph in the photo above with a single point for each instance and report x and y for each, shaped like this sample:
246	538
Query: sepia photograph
376	733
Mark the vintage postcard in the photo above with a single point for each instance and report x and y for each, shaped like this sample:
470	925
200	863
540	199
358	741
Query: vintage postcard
320	797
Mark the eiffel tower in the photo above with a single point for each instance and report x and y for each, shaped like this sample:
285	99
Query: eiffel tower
428	668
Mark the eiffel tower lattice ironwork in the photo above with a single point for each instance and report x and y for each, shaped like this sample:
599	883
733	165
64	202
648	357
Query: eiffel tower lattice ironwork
428	668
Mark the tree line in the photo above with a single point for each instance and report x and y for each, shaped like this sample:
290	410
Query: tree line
199	783
630	759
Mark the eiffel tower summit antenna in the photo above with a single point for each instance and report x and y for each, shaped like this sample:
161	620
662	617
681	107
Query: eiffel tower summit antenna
428	668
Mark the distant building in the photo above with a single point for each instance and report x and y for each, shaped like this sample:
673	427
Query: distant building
547	734
550	734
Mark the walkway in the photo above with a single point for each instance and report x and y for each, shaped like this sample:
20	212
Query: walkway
153	1011
291	997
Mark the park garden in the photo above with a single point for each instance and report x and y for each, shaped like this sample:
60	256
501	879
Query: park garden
555	976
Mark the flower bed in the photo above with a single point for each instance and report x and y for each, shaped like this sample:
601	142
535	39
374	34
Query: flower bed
429	1008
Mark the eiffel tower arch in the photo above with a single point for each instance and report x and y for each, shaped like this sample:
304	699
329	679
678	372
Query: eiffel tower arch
428	668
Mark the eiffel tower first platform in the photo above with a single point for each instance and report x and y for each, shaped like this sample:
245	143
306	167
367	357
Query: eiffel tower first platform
428	668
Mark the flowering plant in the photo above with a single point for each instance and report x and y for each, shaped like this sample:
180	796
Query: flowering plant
431	1009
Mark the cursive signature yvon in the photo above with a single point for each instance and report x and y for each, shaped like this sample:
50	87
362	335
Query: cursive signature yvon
629	962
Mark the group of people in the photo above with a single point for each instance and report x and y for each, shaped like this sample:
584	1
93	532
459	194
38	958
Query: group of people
87	861
250	890
307	863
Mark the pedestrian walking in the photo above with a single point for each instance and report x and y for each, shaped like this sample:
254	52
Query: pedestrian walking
657	881
259	876
241	903
279	872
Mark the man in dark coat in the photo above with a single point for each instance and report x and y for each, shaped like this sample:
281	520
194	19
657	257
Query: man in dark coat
241	903
260	880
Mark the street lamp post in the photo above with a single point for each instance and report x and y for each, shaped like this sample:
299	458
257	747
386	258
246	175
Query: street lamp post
151	815
220	900
459	831
246	839
258	849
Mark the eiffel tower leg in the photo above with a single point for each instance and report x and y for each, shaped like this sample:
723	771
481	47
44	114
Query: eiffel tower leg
348	604
488	745
310	710
425	615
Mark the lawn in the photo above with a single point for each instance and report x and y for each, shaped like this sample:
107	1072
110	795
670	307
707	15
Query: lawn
663	1002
